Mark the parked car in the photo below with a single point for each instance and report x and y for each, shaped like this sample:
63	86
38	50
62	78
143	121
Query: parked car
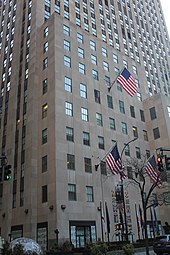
162	245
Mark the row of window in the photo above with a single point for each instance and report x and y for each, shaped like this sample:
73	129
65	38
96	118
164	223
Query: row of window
72	194
104	52
101	143
82	70
141	20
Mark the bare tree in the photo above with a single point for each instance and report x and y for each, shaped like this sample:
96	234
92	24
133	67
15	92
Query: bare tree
140	179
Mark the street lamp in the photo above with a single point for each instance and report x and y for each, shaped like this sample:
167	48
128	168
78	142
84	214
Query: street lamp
122	189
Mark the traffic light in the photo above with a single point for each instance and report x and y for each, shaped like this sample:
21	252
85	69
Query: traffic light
7	173
118	193
118	226
160	164
167	163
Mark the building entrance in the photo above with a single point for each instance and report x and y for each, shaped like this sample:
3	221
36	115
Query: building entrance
82	233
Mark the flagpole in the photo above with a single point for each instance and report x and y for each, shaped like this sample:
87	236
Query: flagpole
101	217
97	165
115	80
108	222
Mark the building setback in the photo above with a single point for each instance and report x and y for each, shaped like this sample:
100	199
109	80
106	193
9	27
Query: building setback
58	118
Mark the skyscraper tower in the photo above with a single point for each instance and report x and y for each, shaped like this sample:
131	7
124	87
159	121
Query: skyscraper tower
58	59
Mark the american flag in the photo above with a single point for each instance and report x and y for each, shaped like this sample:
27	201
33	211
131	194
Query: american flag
114	163
151	169
127	82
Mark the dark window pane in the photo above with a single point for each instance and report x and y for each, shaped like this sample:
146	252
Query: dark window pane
152	113
44	164
44	194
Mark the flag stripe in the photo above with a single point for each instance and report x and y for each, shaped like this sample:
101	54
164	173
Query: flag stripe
123	81
114	163
151	169
127	82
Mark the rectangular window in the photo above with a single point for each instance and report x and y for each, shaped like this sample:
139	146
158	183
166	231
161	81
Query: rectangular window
66	45
45	63
67	61
119	87
70	162
112	123
124	128
139	96
44	111
44	164
44	136
93	59
89	194
129	172
132	111
138	154
125	63
134	69
66	30
68	84
101	142
83	90
137	83
135	131
92	45
81	68
152	113
105	66
70	134
121	106
72	192
142	116
44	86
95	74
44	194
45	47
68	109
84	114
107	80
115	58
80	53
86	138
156	133
79	38
148	154
104	52
88	165
145	135
127	150
97	96
99	119
109	102
45	32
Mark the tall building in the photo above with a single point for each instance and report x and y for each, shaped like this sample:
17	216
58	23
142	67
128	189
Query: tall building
58	118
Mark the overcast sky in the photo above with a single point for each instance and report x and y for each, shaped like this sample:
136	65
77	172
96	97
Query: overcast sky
166	10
